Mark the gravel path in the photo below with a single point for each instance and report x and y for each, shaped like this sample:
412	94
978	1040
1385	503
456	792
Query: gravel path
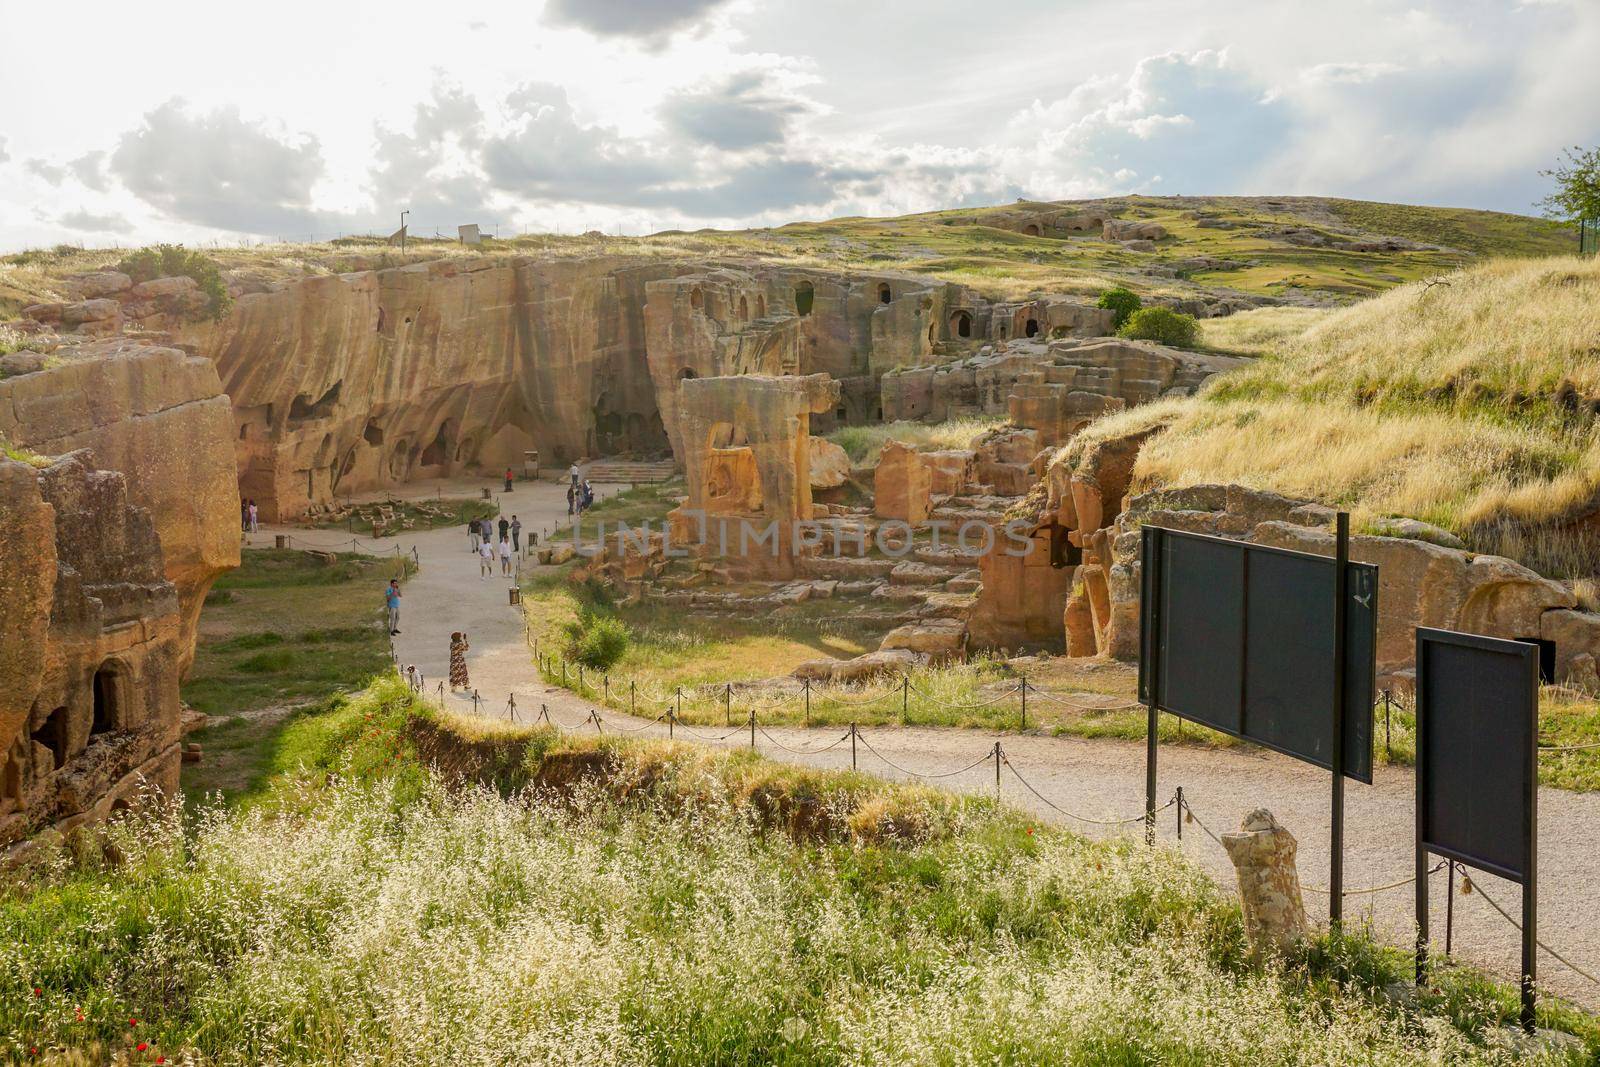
1095	779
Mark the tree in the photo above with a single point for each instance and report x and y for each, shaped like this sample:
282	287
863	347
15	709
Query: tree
1577	194
1122	303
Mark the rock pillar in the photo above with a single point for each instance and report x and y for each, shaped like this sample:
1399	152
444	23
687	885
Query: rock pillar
1263	855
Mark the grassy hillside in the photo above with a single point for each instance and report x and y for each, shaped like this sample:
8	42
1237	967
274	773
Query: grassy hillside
660	904
1470	402
1242	247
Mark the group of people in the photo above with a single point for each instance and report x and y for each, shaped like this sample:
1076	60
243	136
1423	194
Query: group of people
249	517
481	536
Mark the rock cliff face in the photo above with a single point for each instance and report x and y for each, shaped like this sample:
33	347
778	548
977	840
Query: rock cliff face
352	382
158	417
90	644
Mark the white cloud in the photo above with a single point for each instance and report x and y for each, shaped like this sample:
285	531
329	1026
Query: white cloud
89	222
649	21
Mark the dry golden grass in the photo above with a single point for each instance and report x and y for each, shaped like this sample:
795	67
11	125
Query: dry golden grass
1468	404
1258	332
863	444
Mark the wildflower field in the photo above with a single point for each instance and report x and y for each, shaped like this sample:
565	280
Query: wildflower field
423	890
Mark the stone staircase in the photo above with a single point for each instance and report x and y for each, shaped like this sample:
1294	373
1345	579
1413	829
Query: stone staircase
627	471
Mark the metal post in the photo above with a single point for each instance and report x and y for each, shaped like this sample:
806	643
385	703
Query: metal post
1180	812
1341	568
727	703
631	697
808	702
1388	749
1420	849
1530	863
605	681
1153	696
997	770
752	726
563	673
1449	906
580	678
679	698
1024	691
671	718
474	702
852	746
905	700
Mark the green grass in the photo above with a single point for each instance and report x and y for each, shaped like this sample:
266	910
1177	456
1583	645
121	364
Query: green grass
864	443
287	629
665	904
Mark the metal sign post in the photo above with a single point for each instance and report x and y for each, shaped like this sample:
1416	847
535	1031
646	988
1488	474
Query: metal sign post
1341	590
1478	773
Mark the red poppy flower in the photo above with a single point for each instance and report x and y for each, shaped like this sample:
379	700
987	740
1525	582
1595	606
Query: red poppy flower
38	992
133	1022
161	1059
140	1047
1030	831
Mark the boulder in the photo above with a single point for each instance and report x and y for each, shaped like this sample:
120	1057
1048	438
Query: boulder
950	471
875	665
164	288
101	283
830	464
1131	230
937	638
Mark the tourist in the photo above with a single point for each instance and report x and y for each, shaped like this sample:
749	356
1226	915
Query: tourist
572	499
458	661
473	531
244	514
255	518
574	473
391	596
505	556
505	528
516	534
585	496
486	559
508	479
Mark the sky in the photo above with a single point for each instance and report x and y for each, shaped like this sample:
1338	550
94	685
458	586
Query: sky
176	121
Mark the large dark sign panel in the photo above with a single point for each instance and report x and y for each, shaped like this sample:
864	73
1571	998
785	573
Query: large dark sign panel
1246	644
1477	715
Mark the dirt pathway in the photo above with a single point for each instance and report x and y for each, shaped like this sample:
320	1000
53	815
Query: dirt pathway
1095	779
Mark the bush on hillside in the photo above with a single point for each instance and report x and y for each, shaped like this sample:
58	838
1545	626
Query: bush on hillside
1162	325
596	641
1122	303
172	261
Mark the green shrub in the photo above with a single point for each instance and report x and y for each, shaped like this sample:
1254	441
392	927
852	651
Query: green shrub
1162	325
596	641
1122	302
171	261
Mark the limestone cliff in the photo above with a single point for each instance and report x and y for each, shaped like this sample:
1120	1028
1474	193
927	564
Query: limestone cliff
157	416
90	643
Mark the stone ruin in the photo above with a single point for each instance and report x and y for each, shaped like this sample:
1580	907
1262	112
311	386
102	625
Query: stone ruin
106	555
91	644
747	465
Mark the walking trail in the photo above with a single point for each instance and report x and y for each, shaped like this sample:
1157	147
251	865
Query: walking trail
1091	779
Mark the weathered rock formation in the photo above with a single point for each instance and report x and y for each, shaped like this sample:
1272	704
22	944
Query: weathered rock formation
902	485
90	644
157	416
747	465
1263	855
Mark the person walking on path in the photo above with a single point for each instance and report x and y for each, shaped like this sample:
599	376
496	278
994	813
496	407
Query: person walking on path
505	528
505	556
458	661
474	532
244	514
516	534
574	473
391	597
509	478
255	518
486	559
572	499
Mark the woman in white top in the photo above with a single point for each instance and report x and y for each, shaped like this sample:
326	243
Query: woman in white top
505	555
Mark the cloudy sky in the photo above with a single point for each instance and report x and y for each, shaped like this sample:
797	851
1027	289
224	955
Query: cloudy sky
127	123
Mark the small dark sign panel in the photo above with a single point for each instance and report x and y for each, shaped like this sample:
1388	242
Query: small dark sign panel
1477	746
1247	644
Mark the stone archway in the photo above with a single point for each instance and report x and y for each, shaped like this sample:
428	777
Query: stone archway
111	694
804	297
961	323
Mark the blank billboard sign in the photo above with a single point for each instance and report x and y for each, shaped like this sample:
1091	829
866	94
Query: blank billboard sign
1246	644
1477	715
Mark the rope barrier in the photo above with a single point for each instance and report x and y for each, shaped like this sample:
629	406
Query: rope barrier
636	729
1059	699
1073	815
1558	957
967	707
803	751
980	761
1569	748
857	703
692	732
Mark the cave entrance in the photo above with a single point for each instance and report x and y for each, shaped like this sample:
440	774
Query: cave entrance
744	309
302	410
1030	230
885	294
52	734
373	434
804	296
697	299
686	373
961	324
1032	328
110	691
438	451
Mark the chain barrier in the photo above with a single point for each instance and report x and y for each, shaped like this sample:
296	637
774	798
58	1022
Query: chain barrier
1074	815
980	761
1469	887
